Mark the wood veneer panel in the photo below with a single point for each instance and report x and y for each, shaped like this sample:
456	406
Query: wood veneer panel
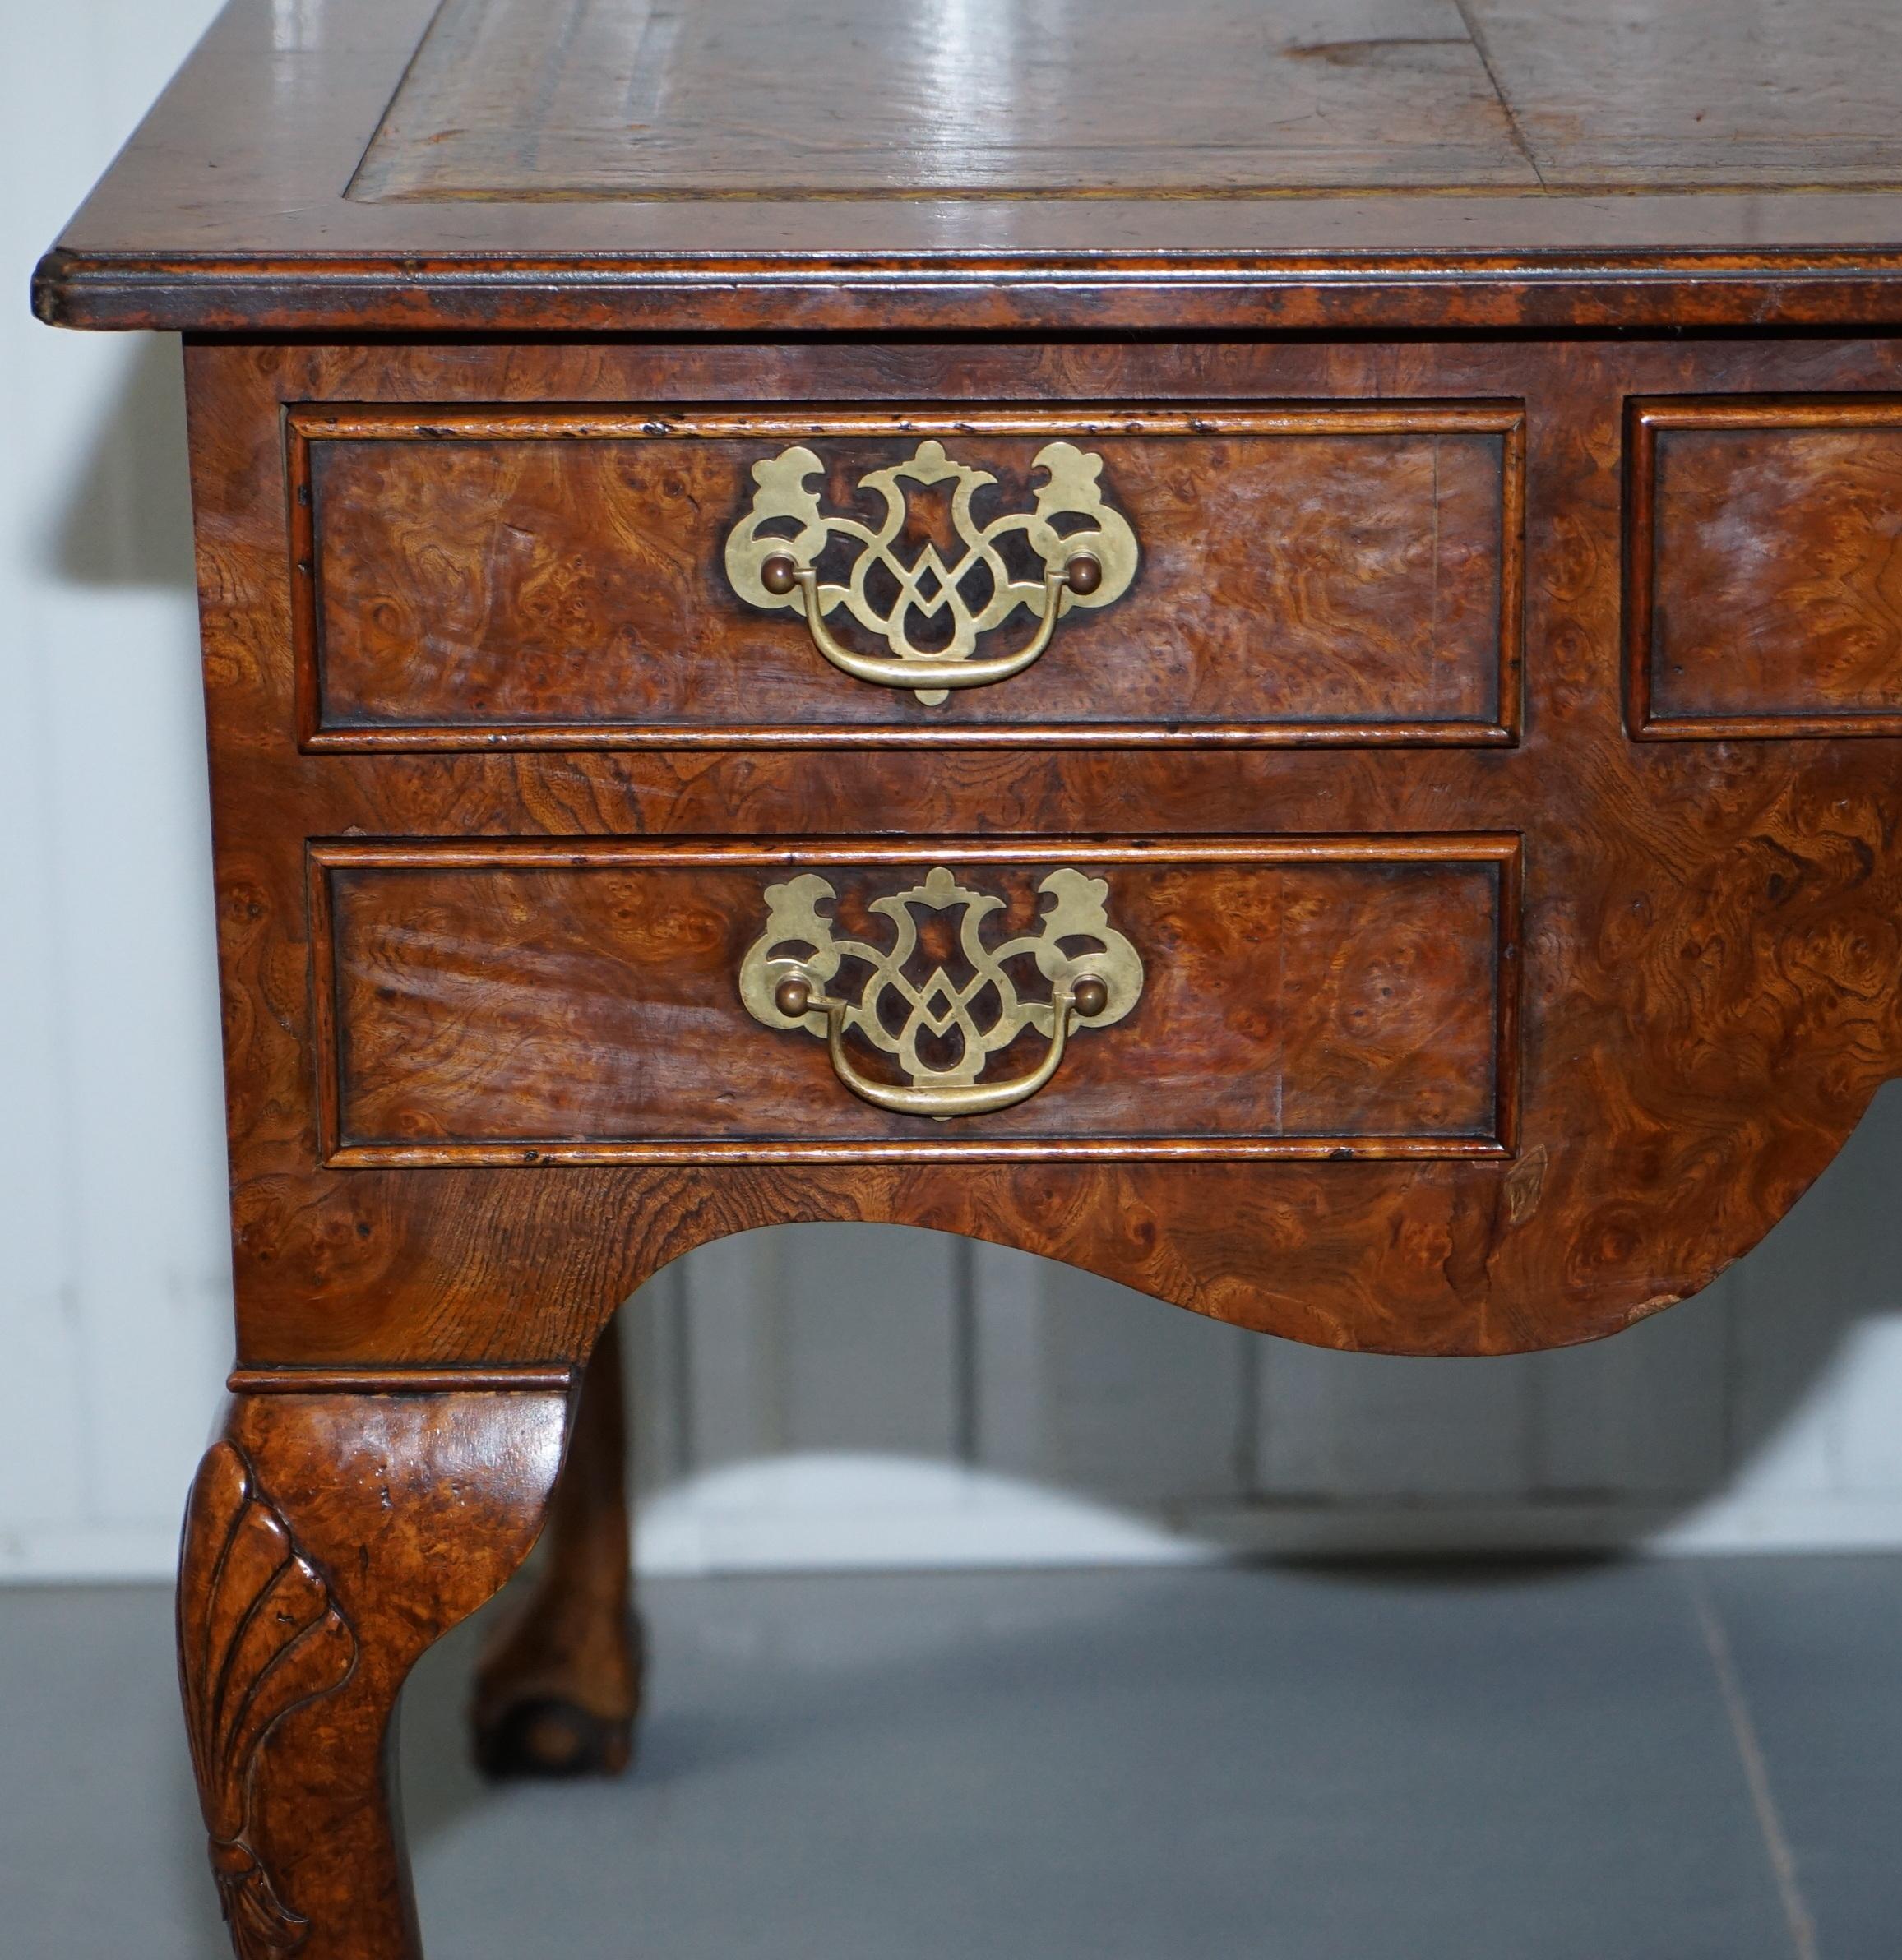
505	1003
1710	938
554	579
1766	568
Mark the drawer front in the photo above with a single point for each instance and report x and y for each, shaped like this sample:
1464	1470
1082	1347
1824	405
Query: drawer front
602	1001
1766	567
475	578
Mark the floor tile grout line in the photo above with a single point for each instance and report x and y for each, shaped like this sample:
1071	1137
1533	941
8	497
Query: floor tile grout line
1776	1844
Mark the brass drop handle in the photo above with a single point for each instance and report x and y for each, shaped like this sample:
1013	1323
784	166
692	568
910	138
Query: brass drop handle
781	573
1085	999
933	609
1093	974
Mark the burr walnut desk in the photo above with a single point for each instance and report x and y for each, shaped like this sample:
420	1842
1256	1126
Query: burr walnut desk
1262	653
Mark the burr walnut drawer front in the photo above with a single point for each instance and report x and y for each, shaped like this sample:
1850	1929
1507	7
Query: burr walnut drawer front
600	1000
1766	567
469	578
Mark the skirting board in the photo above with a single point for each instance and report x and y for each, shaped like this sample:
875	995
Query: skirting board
854	1514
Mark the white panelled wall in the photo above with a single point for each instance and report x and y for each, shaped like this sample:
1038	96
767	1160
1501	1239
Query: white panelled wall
822	1395
847	1394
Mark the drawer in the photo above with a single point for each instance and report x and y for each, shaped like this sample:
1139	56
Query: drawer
1765	561
594	1001
469	577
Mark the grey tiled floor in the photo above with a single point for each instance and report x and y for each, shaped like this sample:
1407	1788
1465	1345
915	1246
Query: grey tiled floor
1699	1761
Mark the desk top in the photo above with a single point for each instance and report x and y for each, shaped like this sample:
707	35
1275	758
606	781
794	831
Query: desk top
551	165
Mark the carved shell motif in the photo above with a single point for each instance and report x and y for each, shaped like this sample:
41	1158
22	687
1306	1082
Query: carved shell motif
258	1636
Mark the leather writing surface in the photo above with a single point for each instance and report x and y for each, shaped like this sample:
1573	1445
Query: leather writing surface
603	99
506	166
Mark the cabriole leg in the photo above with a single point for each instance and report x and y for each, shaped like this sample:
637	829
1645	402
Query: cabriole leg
558	1690
330	1538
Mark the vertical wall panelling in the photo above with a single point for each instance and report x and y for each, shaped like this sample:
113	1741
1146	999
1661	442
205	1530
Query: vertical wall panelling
734	1334
1640	1417
1813	1348
114	1306
1150	1417
1364	1425
655	1351
1007	1378
869	1346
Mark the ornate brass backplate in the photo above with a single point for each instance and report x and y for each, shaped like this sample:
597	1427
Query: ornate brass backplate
1092	566
1090	989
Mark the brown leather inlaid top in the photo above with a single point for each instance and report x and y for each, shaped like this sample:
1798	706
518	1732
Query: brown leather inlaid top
746	165
620	98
